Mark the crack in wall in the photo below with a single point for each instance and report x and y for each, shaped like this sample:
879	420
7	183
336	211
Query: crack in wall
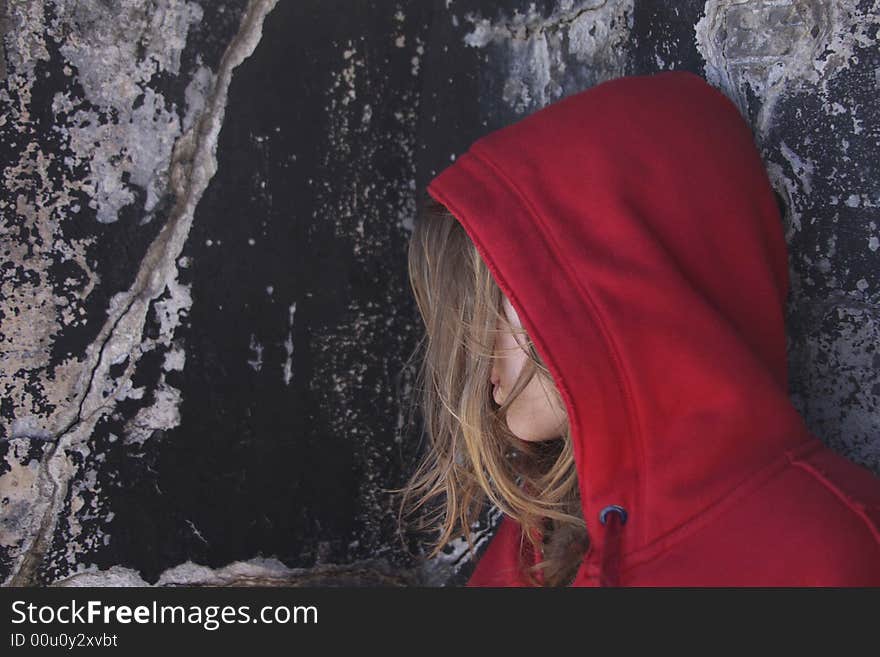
61	126
525	26
193	165
32	557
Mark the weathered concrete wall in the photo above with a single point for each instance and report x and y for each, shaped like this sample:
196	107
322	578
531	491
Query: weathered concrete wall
204	312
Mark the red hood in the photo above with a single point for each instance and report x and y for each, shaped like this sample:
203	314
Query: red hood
635	231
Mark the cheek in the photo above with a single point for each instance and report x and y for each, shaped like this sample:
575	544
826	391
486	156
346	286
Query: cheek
534	415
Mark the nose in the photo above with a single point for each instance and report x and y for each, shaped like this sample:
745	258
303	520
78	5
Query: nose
494	379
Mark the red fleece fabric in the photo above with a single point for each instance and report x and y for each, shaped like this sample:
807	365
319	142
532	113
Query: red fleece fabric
634	229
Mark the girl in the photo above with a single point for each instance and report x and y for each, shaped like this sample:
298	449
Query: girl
603	286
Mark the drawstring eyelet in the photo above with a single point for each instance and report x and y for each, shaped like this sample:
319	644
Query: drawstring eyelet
613	507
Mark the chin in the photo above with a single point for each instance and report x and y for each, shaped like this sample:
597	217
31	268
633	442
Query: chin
526	432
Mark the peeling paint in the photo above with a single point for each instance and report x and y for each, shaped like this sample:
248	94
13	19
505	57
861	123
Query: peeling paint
18	489
803	169
770	47
134	147
580	44
191	167
288	345
256	362
832	363
2	36
254	572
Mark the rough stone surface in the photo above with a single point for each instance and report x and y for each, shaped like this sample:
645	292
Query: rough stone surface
204	310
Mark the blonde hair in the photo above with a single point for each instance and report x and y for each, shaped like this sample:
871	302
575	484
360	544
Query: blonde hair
472	456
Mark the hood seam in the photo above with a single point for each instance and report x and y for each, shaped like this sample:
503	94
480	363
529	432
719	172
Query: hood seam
611	351
858	508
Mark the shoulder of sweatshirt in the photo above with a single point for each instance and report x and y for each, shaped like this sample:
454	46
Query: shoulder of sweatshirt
814	522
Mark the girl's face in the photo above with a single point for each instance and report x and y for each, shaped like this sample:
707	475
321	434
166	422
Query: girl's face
535	414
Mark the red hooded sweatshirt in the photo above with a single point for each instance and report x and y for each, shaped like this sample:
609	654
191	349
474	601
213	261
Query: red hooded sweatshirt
633	228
